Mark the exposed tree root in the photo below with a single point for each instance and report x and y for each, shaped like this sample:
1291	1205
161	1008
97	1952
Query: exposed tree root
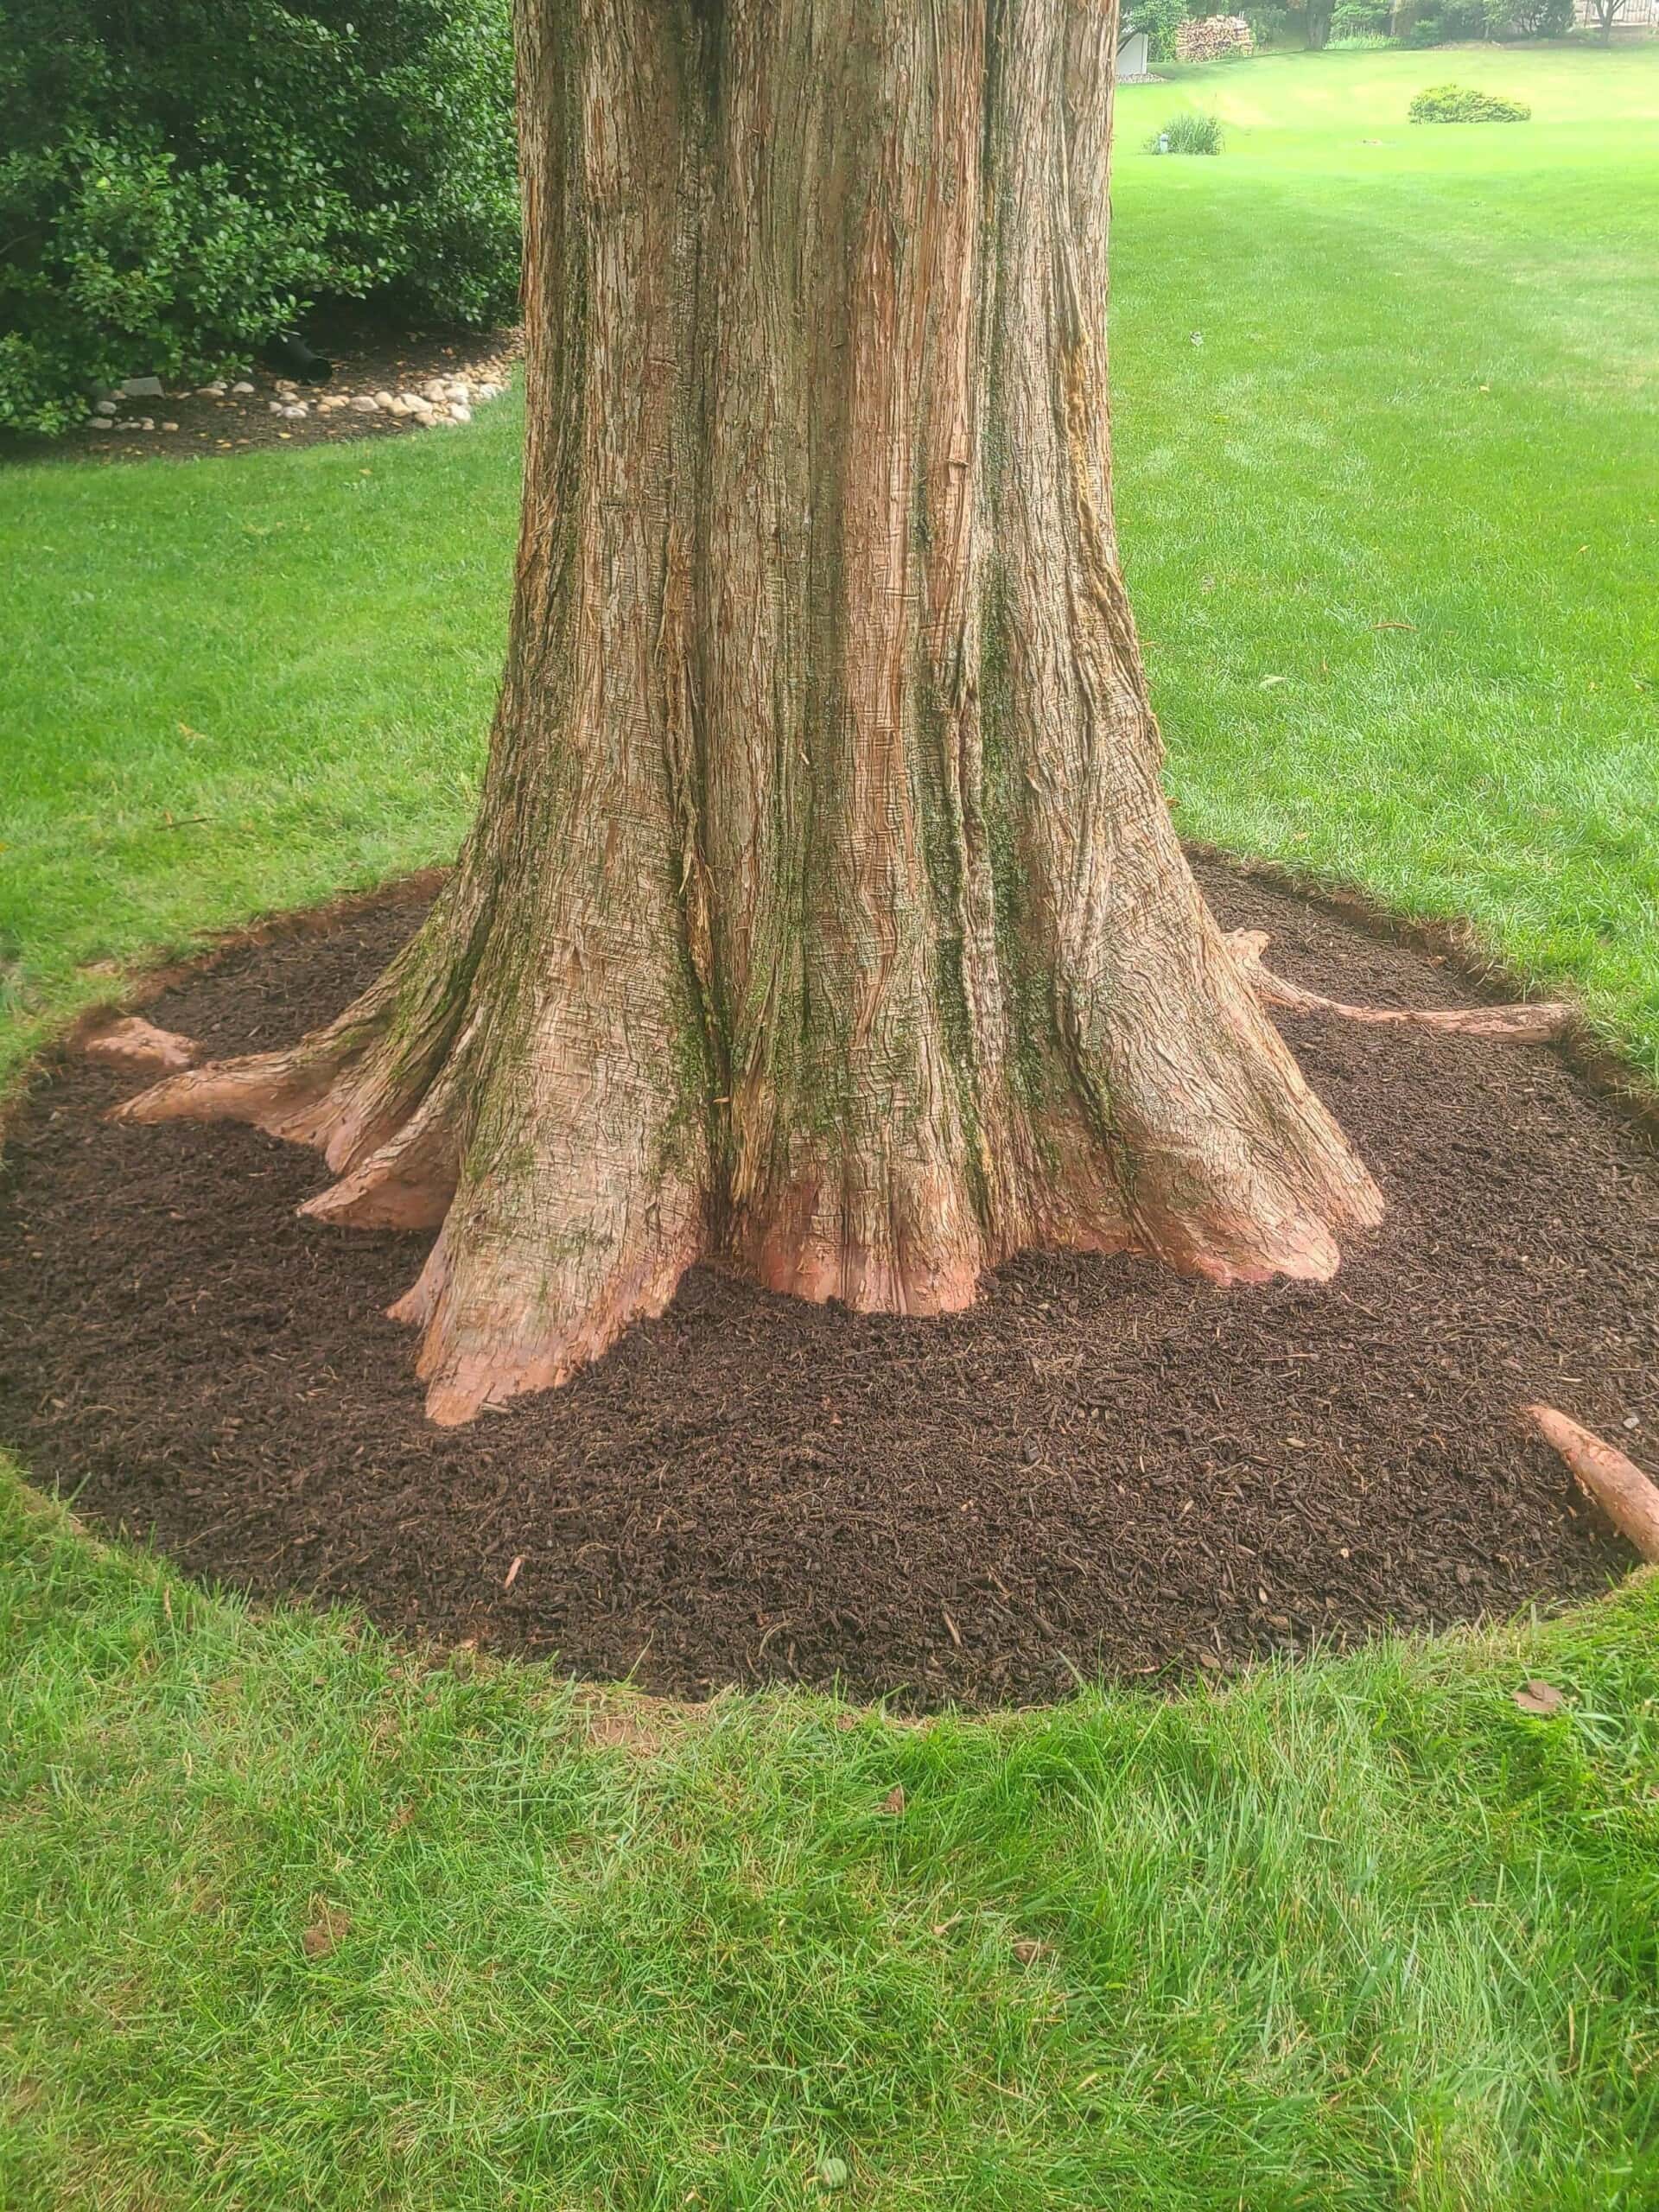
274	1091
1628	1498
1540	1024
500	1316
132	1043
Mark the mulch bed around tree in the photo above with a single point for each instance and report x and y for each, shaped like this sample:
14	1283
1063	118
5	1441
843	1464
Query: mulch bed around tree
1101	1469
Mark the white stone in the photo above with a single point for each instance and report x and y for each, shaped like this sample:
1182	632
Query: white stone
104	407
130	423
102	422
412	402
458	413
488	392
459	391
275	406
434	390
140	388
170	426
148	422
243	386
366	404
383	399
210	392
286	385
297	413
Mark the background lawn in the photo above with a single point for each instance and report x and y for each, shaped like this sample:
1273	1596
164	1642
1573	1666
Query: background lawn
1342	1937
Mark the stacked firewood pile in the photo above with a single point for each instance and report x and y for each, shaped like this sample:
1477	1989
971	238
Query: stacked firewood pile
1206	38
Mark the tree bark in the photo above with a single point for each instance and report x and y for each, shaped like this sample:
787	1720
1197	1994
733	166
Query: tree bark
823	912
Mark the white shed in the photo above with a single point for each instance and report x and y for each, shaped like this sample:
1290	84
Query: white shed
1132	58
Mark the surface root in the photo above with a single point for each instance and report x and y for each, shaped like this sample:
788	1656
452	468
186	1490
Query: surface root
1628	1498
1543	1023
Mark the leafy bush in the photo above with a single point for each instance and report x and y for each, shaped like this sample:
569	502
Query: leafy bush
180	180
1160	20
1529	18
1458	104
1367	43
1450	21
1268	22
1354	19
1188	133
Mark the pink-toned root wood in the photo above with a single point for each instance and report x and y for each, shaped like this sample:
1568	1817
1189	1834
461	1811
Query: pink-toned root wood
482	1343
1618	1485
132	1043
1542	1024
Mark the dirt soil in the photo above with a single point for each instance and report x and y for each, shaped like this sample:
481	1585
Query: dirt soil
366	356
1101	1469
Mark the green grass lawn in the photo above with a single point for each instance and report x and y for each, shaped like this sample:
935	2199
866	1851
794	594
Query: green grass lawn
1343	1937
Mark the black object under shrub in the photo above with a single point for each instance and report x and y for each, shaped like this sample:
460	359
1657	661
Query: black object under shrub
289	350
178	180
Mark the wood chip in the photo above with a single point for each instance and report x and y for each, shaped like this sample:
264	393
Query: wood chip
130	1043
1540	1697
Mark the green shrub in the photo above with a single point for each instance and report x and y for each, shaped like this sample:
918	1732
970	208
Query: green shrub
1357	19
1188	133
1529	18
180	180
1160	20
1366	42
1458	104
1443	24
1268	21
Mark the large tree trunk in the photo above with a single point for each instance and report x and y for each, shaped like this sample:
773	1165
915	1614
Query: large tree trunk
823	911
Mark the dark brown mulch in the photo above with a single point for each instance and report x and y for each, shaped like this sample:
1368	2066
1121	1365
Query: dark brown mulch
1101	1469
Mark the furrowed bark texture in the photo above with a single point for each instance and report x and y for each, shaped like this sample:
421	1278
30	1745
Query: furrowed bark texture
823	911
